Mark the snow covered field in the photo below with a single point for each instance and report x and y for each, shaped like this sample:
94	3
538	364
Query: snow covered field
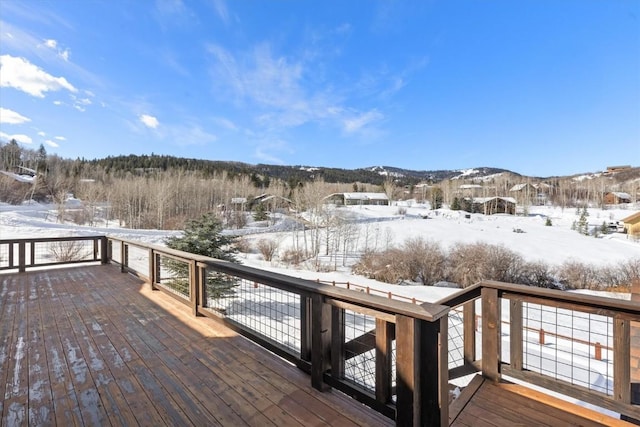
537	242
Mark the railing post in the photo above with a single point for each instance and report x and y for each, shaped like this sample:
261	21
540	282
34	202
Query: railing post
152	267
193	287
385	333
104	250
516	334
305	328
22	257
32	254
621	360
96	249
422	372
337	343
469	331
320	341
491	339
202	279
124	248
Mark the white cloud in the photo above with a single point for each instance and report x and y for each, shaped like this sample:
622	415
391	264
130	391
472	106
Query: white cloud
225	123
53	45
60	138
11	117
20	74
24	139
51	143
149	121
57	102
361	121
42	134
80	108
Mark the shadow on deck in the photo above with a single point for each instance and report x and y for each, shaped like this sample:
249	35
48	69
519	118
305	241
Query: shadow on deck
92	346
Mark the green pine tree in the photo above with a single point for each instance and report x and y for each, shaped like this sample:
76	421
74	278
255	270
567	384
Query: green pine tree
203	236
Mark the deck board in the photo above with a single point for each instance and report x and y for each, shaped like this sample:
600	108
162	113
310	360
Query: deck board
93	346
492	404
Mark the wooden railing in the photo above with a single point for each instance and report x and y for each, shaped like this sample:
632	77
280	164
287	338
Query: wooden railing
312	325
546	363
355	341
21	254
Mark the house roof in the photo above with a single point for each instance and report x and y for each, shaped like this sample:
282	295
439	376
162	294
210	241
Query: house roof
633	218
360	196
488	199
620	195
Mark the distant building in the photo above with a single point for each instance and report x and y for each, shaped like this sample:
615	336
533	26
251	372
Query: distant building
494	205
356	199
272	202
631	222
616	198
531	194
615	169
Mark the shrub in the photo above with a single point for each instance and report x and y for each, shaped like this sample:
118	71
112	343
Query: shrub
268	248
425	261
293	256
67	251
548	222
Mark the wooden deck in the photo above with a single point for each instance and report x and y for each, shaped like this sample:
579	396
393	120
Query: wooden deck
93	346
484	403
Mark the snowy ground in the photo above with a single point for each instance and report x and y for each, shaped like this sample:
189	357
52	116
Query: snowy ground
537	242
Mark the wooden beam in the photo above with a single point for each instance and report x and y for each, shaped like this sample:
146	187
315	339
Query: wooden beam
385	333
469	331
491	334
516	333
320	341
406	381
337	343
622	360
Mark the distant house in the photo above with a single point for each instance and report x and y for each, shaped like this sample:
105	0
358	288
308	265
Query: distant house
616	198
527	193
271	202
356	199
494	205
632	223
615	169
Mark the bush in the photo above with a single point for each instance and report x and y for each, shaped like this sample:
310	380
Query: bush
548	222
293	256
268	248
67	251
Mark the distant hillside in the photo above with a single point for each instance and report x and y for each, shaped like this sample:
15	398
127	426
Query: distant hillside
372	175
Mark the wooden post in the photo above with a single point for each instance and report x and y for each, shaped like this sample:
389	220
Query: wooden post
21	257
491	319
320	341
193	287
469	331
422	372
11	254
32	253
541	338
621	360
95	249
337	343
152	268
516	334
104	250
123	256
202	281
305	328
597	350
385	333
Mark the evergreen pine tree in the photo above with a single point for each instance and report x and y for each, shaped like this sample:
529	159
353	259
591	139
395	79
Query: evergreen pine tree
203	236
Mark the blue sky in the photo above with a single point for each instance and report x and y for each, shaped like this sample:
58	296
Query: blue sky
542	87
